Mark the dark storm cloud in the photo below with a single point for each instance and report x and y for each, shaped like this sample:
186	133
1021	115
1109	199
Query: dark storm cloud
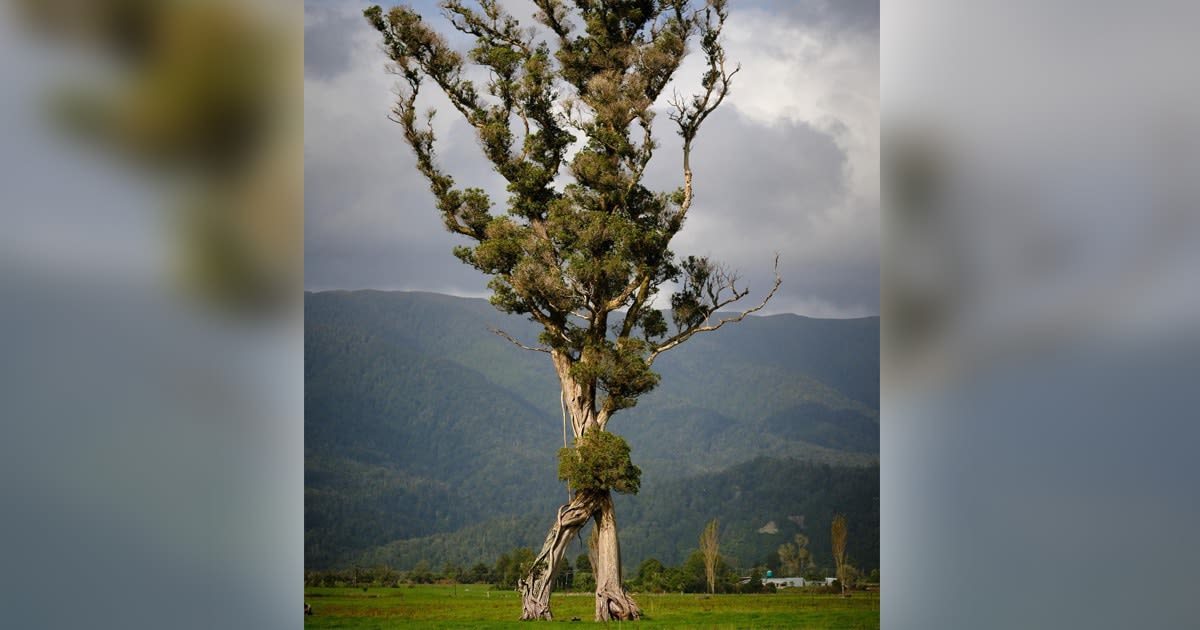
772	173
328	27
781	188
855	15
370	219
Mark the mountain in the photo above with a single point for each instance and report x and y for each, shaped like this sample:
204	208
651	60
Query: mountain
427	436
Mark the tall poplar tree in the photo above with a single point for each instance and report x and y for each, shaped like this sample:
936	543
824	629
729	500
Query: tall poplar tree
837	535
586	259
711	548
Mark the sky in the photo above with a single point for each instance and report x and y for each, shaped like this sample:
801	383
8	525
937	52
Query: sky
788	164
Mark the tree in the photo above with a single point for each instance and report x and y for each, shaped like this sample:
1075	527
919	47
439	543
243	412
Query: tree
583	563
584	578
480	573
755	583
711	549
850	577
421	574
510	566
650	576
789	560
566	575
837	535
501	569
585	260
794	556
694	574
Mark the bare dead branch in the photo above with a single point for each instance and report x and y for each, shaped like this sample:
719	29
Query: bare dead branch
518	343
499	27
684	335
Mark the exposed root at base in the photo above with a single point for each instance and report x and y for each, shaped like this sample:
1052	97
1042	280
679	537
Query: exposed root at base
616	606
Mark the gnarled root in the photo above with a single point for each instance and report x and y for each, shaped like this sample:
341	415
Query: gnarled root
616	606
612	600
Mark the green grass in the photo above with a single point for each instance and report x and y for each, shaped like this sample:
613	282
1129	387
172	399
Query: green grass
479	606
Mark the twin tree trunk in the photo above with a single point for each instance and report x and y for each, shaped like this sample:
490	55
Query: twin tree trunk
612	601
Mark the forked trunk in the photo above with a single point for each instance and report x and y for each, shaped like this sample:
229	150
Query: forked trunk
535	586
612	601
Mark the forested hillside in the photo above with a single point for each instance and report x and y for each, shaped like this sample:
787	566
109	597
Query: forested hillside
421	426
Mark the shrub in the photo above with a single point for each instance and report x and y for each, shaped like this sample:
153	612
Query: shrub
599	461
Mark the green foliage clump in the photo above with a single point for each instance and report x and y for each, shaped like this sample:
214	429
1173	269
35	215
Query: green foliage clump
511	566
599	461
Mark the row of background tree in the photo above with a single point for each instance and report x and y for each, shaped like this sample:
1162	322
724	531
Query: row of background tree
652	576
761	504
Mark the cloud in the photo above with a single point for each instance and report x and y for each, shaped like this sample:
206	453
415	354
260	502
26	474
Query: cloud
838	15
791	162
328	33
370	219
762	190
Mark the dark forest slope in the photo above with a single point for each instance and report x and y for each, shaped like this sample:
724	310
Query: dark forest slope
429	437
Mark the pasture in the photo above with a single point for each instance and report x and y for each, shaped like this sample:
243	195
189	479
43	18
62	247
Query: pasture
481	606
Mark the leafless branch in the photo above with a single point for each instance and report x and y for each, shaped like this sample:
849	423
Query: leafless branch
518	343
686	334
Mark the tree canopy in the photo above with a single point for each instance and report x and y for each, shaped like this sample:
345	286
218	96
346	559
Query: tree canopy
585	259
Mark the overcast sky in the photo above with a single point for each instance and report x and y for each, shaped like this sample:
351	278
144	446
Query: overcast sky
789	164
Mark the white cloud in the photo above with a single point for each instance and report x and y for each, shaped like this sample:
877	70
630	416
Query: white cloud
828	79
790	163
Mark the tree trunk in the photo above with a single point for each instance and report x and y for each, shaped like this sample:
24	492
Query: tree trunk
535	587
612	601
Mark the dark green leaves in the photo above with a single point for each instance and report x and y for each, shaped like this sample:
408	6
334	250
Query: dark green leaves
599	461
689	308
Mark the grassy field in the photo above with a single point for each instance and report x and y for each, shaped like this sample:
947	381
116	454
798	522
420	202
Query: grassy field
478	606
